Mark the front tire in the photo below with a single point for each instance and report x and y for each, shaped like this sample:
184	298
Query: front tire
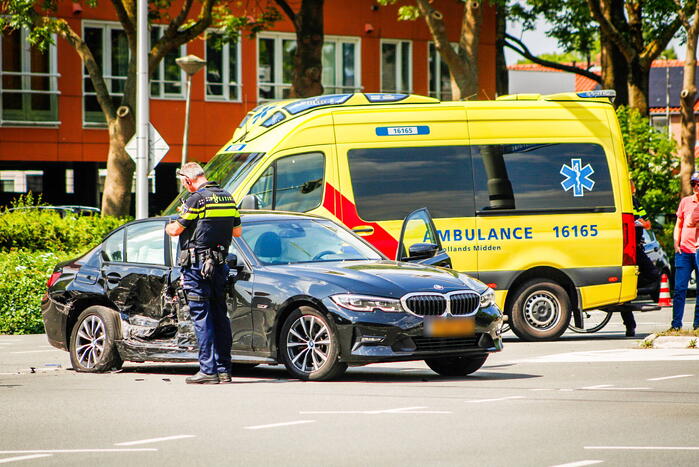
456	366
92	341
309	346
541	311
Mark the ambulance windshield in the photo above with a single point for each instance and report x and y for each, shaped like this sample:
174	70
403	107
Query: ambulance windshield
227	169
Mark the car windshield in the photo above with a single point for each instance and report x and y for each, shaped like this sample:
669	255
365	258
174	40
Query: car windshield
304	241
227	169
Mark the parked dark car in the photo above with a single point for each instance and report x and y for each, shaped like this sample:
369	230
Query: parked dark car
308	293
657	255
63	211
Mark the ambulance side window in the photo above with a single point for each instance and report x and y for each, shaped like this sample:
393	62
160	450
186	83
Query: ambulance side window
390	183
541	177
292	183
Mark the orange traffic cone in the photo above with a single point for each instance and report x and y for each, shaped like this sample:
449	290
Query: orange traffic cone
664	298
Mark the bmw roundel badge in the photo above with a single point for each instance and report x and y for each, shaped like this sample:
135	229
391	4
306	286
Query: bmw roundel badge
438	287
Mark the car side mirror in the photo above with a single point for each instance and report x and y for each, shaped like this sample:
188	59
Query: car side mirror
232	261
250	201
419	251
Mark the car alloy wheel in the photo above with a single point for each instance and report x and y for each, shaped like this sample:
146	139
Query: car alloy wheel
93	340
309	346
90	341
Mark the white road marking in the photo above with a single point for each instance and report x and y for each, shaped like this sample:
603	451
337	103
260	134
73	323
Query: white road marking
599	386
579	463
36	351
274	425
7	460
153	440
648	448
64	451
616	355
669	377
402	410
498	399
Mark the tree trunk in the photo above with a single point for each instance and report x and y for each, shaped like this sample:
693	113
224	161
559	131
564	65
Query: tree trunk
502	82
638	85
687	99
308	59
116	200
615	70
468	49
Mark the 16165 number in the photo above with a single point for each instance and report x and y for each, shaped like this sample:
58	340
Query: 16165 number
575	231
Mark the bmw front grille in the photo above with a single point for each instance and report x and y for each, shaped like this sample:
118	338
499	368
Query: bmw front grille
458	303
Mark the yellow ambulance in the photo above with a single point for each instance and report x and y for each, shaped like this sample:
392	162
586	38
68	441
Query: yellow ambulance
529	193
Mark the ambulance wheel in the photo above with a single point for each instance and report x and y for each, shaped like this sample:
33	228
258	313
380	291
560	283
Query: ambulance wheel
541	311
92	342
309	346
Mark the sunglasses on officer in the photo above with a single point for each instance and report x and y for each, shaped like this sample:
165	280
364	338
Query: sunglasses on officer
693	183
185	179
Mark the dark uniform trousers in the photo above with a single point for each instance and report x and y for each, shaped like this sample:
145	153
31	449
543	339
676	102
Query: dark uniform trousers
207	307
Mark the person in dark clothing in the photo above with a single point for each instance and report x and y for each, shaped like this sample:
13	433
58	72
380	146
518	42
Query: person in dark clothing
208	220
648	273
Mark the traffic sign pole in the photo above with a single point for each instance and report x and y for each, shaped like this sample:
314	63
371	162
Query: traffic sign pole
142	110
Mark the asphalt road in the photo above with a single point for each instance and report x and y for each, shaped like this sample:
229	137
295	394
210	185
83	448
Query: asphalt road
583	400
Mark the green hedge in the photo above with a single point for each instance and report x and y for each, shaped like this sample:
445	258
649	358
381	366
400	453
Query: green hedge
24	275
47	231
32	242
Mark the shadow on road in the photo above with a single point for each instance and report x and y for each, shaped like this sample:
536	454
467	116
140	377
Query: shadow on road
367	374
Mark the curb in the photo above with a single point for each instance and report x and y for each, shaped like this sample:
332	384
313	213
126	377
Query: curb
670	342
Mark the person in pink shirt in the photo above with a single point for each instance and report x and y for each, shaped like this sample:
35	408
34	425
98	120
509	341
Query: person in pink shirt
685	237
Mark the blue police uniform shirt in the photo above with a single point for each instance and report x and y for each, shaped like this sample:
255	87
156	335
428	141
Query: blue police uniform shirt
208	216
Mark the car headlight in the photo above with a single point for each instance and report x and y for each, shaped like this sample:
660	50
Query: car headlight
367	303
487	298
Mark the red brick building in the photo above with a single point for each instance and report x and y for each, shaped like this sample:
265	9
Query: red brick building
52	134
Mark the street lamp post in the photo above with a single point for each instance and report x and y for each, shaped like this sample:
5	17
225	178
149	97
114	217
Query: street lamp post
190	64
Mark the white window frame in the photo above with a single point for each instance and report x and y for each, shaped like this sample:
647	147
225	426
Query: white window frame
26	75
278	66
438	69
161	72
339	41
226	65
106	65
400	86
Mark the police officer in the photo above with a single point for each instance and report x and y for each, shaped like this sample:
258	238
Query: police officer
207	220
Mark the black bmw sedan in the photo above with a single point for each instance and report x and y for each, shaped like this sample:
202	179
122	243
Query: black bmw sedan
304	291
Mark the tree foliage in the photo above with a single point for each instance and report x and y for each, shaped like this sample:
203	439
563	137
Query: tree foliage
652	163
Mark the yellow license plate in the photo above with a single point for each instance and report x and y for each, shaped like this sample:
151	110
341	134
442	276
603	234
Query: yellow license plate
450	327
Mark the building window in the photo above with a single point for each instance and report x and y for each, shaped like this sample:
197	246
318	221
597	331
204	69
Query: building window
110	48
222	69
440	80
21	181
29	90
167	79
275	65
396	66
341	61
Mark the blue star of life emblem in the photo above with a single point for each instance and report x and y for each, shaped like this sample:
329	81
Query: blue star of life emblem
577	177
